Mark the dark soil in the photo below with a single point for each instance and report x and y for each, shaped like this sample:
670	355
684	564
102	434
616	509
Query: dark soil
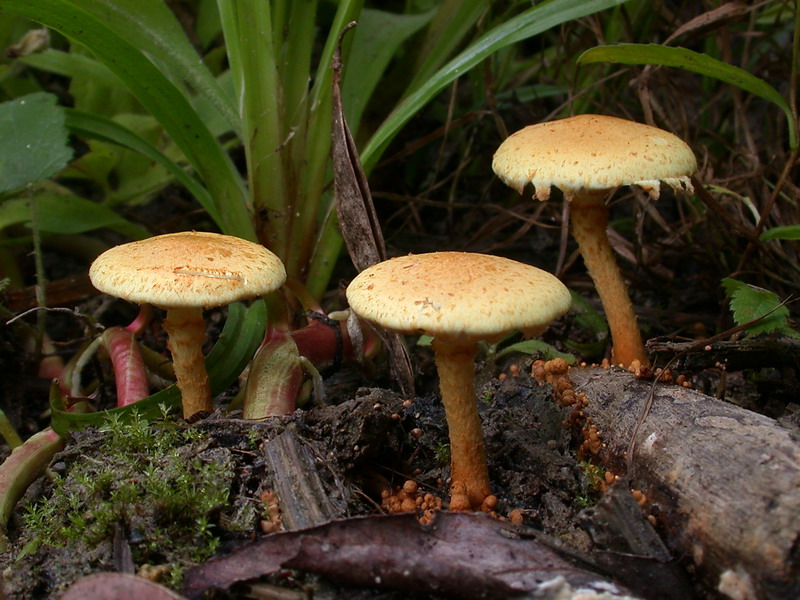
364	445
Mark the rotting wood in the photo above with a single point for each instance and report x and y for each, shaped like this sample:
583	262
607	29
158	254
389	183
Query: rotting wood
62	292
304	501
722	481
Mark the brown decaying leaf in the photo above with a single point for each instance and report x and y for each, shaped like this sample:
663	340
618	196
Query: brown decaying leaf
464	555
118	586
358	221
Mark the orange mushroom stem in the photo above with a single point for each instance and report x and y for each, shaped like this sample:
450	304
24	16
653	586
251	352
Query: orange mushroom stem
186	332
589	219
455	363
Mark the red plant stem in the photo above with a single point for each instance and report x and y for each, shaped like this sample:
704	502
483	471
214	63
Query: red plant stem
129	370
275	378
324	342
21	468
141	321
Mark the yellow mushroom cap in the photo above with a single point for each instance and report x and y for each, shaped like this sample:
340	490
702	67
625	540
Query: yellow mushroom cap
458	296
593	152
188	269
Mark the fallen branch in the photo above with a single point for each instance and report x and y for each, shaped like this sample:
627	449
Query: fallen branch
723	482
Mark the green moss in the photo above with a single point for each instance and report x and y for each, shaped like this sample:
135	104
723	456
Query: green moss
442	453
150	479
595	480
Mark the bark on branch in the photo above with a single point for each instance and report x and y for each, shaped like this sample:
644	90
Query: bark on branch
723	482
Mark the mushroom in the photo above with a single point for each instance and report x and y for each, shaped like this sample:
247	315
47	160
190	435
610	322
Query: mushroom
586	156
459	298
185	273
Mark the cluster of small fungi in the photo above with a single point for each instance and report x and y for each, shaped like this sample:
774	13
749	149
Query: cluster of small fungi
555	372
647	373
409	498
272	509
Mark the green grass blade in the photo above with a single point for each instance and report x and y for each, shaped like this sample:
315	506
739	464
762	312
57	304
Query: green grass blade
238	342
654	54
100	128
159	96
294	64
71	65
315	154
152	27
782	232
532	22
248	35
375	42
454	19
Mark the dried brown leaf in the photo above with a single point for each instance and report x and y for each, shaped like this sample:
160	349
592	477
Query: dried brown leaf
358	221
118	586
460	555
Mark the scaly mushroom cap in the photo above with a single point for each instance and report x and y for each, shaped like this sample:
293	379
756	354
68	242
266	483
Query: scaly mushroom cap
457	296
187	269
593	152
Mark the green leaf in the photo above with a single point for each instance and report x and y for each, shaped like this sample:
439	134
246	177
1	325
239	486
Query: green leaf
152	27
784	232
33	141
544	349
453	21
67	215
378	36
248	40
157	94
70	64
655	54
532	22
586	316
748	302
100	128
240	337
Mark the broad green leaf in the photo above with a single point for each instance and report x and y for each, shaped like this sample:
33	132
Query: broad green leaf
66	215
655	54
378	36
33	141
240	337
784	232
748	302
159	96
533	21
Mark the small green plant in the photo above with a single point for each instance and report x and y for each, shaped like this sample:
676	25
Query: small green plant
442	453
595	475
140	478
748	303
